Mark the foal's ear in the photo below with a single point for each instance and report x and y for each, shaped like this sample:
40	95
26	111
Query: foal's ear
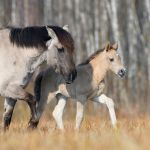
66	27
107	47
51	32
115	46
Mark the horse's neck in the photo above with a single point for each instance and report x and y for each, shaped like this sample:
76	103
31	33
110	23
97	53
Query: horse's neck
99	68
85	70
37	61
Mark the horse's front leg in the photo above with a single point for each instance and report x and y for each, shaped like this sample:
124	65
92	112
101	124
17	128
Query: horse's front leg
17	92
40	106
110	104
58	111
9	105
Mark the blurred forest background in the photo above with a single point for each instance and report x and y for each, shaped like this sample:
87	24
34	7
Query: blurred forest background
92	23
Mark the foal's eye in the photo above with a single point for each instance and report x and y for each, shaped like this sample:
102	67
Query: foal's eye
60	50
111	59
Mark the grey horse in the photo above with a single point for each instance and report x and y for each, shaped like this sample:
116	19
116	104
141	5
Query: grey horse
88	85
22	51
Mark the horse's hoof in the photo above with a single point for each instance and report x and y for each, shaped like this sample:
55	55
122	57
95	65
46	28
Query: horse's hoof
4	128
116	128
32	125
76	129
61	129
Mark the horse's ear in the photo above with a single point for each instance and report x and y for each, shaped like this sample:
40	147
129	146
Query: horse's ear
51	32
107	47
115	46
66	27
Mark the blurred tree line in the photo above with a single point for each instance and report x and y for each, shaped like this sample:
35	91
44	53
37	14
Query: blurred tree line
93	23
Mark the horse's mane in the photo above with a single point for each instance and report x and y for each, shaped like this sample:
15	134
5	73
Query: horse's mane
64	37
29	36
91	57
37	36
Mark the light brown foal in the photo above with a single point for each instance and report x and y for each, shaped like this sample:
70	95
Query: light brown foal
88	85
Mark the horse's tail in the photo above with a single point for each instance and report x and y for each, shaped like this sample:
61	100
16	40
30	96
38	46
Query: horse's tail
37	87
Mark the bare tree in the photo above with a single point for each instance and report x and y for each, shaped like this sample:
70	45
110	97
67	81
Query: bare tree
92	24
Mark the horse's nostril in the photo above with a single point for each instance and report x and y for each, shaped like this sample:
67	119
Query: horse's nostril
71	77
121	72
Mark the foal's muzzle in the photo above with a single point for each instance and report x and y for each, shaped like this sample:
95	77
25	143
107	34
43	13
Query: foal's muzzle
71	77
121	73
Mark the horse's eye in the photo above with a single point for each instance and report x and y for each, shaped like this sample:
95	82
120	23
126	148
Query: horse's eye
60	50
111	59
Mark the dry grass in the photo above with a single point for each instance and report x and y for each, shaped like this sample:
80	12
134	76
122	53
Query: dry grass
133	131
132	134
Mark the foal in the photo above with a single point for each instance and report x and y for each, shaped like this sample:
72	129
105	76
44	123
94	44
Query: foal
89	84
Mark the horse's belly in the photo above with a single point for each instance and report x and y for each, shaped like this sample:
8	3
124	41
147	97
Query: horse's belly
93	94
98	91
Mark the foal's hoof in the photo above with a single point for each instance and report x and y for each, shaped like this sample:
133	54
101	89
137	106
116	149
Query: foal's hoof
116	128
32	125
76	129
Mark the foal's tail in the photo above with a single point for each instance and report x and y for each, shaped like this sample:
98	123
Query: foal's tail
37	87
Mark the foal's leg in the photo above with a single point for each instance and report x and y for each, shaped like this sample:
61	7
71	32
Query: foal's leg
79	114
9	105
17	92
58	111
110	104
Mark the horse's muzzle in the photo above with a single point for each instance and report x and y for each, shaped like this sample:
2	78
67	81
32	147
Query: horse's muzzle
71	77
121	73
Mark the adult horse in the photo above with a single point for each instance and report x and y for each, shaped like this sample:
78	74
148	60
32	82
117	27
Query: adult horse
22	51
88	85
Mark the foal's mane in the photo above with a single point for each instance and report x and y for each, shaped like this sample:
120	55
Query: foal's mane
37	36
92	57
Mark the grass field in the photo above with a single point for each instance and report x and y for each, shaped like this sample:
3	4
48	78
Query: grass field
95	134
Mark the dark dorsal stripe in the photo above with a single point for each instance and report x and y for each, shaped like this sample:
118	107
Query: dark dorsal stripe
37	36
91	57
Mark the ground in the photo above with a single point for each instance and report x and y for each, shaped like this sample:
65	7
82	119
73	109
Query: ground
95	134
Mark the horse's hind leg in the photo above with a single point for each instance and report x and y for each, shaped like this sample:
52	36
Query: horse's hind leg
9	105
17	92
79	114
110	104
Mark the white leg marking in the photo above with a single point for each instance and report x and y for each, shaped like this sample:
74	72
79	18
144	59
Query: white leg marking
79	114
58	112
110	104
